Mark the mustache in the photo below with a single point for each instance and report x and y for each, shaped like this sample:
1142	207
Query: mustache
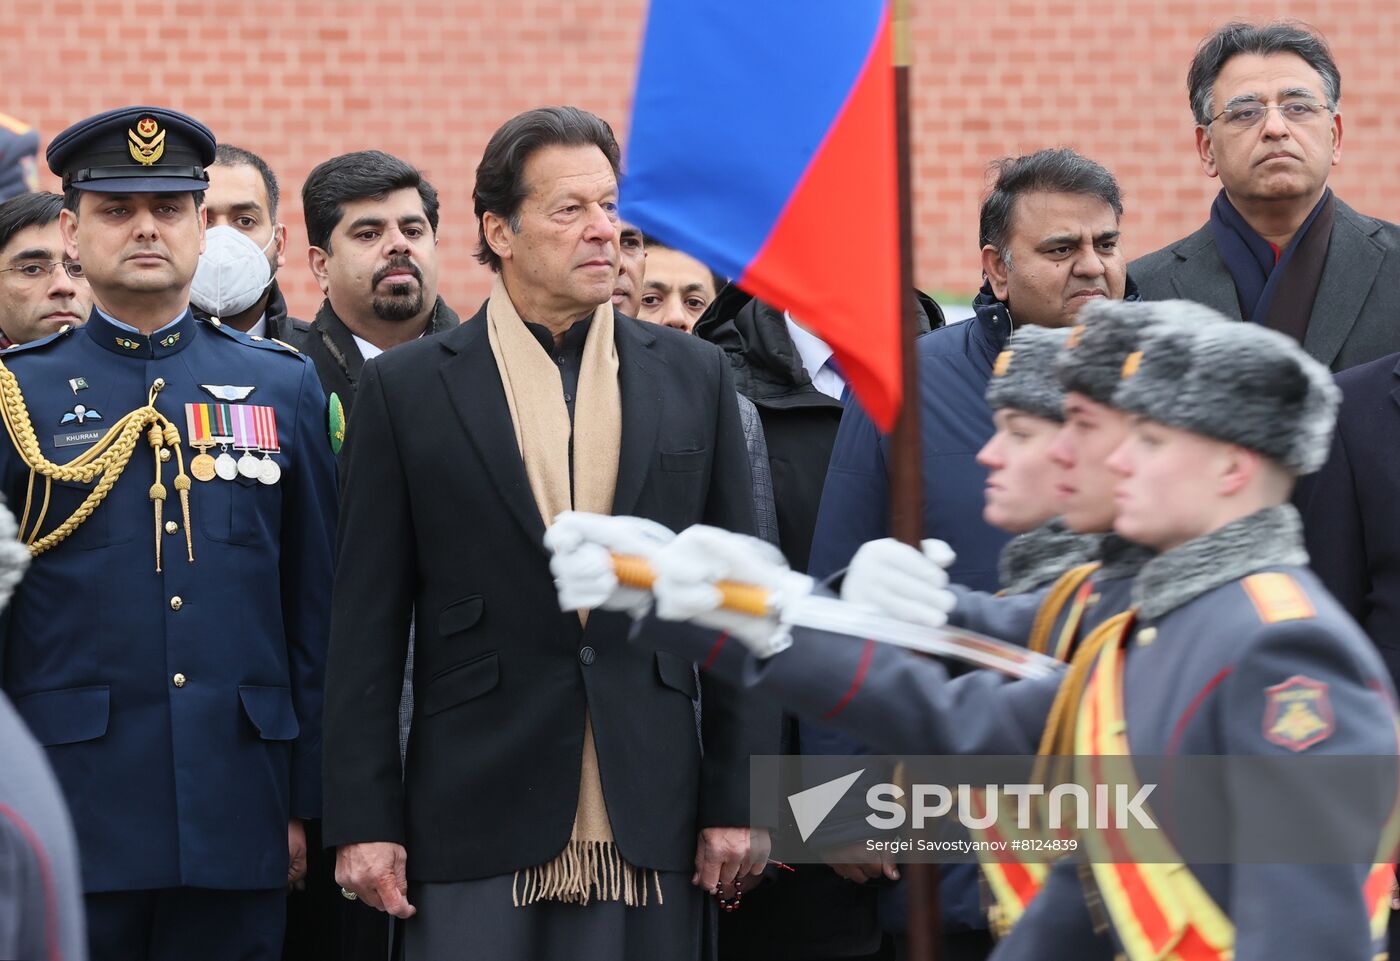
395	266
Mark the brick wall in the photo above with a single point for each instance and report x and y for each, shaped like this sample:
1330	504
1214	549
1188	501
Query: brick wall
301	80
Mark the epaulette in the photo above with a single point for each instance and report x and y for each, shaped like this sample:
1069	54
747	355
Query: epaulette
252	340
10	351
1278	597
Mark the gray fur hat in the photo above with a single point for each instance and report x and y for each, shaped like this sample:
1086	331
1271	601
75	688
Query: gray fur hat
1107	332
1024	374
1236	382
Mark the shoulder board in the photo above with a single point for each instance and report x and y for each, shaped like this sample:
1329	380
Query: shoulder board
1278	597
252	340
9	352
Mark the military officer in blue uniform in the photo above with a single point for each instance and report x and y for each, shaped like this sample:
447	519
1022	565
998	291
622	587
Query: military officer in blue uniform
176	488
1231	647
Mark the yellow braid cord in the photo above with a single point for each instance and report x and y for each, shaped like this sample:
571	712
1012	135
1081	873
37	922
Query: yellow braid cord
103	462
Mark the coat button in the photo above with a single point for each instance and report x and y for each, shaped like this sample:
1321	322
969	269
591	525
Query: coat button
176	602
171	527
159	383
179	680
1146	636
587	656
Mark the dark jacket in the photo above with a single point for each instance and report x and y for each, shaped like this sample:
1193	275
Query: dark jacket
280	325
955	363
1351	508
1356	316
799	421
812	913
332	348
438	518
183	725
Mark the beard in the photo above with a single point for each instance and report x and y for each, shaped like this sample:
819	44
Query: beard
403	301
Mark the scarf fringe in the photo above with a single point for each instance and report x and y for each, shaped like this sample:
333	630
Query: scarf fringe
583	872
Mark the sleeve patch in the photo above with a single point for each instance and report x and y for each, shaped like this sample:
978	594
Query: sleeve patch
1298	713
1278	597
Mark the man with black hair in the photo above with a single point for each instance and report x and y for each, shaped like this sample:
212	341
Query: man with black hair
42	289
556	802
1049	233
1280	249
243	199
372	221
177	492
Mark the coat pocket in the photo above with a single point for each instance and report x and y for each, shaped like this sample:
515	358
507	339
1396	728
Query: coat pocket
457	685
681	461
242	511
460	615
270	709
68	716
676	673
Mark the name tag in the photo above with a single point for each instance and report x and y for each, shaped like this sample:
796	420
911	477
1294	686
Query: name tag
77	437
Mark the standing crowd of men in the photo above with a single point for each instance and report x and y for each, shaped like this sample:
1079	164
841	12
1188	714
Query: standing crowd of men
314	630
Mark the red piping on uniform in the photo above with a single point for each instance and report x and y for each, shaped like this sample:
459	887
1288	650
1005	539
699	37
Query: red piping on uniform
866	656
714	652
1180	728
50	892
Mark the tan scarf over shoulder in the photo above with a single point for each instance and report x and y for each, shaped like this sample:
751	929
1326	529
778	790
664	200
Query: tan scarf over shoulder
589	866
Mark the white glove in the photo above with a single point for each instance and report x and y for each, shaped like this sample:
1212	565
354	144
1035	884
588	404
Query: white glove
688	568
582	565
893	579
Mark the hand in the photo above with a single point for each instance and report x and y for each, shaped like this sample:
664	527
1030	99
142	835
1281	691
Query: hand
892	578
583	545
377	873
296	853
723	855
688	569
853	863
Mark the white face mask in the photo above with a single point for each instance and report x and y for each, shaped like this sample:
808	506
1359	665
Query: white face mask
232	273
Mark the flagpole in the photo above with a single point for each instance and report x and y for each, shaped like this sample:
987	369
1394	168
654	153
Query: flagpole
906	462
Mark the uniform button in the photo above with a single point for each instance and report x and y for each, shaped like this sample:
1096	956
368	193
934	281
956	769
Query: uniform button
159	383
559	361
176	602
256	337
587	655
179	680
568	398
1146	636
216	322
165	453
171	527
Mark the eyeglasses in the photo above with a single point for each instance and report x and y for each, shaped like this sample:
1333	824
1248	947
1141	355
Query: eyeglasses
32	272
1248	114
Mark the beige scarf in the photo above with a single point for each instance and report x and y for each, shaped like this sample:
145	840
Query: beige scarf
589	866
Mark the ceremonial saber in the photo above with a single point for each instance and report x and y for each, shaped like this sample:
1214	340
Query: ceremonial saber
832	614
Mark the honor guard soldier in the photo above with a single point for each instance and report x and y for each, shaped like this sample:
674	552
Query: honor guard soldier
176	489
1231	647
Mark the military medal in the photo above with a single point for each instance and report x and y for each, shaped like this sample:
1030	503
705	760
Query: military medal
265	429
197	421
244	439
224	465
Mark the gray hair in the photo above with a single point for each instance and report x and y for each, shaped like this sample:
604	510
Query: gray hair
1278	36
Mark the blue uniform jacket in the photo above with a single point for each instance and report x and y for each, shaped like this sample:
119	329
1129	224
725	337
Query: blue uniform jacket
188	781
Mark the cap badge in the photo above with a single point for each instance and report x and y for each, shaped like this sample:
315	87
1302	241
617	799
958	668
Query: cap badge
1131	363
146	142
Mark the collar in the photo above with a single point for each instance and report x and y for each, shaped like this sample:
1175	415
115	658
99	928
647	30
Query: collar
1036	558
1119	558
123	339
813	351
572	341
1272	537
